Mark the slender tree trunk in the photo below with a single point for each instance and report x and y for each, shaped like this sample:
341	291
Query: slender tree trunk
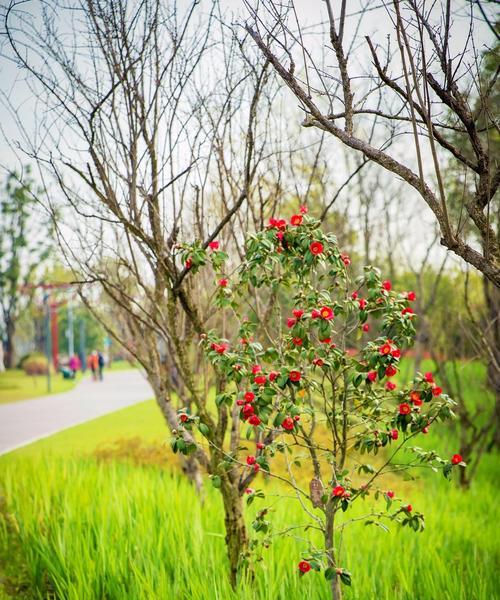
9	358
236	534
335	583
492	331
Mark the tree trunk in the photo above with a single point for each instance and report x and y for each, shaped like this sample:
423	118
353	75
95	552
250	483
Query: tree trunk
9	350
236	534
492	331
335	583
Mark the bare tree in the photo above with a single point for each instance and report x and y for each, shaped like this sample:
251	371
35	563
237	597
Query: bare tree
421	92
152	145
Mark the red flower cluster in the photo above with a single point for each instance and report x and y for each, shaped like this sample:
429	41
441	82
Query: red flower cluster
219	348
276	223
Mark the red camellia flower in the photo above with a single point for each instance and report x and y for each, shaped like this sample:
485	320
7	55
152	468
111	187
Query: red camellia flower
296	418
249	491
407	311
223	283
290	322
295	376
456	459
213	245
354	295
250	460
319	362
296	219
297	341
390	386
326	340
436	391
256	467
219	348
303	209
260	446
391	371
280	235
387	285
411	296
240	402
396	353
248	410
394	433
273	375
316	248
385	349
260	379
408	508
414	396
287	423
429	377
297	312
390	494
188	264
326	313
249	396
183	417
338	491
404	408
425	430
254	420
345	259
371	376
304	566
256	369
362	303
366	327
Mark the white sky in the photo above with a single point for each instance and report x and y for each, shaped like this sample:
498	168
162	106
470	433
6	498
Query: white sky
376	24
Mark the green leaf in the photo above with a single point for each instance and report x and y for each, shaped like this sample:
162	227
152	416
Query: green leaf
330	573
216	481
204	429
345	577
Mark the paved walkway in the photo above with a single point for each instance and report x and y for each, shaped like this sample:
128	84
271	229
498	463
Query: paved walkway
24	422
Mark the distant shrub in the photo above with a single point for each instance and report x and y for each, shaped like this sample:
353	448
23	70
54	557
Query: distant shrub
34	364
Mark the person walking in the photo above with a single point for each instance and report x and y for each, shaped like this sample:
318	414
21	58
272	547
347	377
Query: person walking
100	363
93	364
73	366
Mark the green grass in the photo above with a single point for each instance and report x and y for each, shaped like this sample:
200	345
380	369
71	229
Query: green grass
15	385
121	365
82	528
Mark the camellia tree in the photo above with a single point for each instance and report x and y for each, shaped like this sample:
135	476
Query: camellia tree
304	391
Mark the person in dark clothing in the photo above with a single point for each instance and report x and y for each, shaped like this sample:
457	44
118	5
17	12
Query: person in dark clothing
100	360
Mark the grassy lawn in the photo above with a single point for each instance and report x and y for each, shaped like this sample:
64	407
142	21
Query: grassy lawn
100	511
120	365
16	385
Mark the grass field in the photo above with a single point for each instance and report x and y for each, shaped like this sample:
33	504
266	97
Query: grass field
16	385
121	524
